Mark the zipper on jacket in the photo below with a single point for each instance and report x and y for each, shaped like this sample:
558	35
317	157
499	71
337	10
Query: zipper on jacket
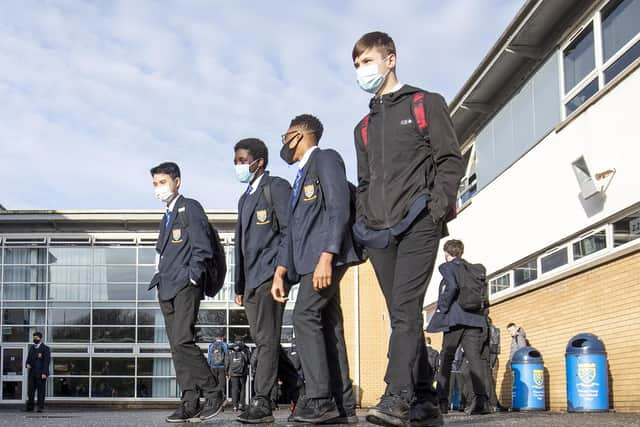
384	168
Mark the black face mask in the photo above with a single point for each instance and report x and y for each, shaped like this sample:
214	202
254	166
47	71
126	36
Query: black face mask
287	153
36	341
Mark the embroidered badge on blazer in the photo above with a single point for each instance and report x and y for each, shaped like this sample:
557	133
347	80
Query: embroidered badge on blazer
176	235
309	192
262	217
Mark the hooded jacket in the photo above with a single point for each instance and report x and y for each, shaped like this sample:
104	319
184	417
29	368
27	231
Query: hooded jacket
398	165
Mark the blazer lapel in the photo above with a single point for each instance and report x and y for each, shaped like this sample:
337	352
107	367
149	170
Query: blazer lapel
167	229
252	203
305	172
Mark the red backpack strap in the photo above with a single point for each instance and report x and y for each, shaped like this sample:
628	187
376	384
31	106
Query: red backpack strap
417	107
364	124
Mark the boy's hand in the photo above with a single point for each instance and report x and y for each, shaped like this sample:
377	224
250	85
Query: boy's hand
278	291
239	299
323	272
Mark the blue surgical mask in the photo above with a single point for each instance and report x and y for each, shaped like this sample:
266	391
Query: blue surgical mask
369	78
244	174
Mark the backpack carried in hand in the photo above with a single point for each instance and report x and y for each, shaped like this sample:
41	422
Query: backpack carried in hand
217	357
420	119
472	284
216	267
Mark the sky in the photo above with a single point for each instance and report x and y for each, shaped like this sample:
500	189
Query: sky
95	93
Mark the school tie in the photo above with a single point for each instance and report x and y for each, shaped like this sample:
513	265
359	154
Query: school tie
249	190
168	219
296	187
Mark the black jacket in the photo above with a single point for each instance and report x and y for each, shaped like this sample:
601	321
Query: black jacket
183	253
39	359
237	362
449	313
397	166
258	242
319	218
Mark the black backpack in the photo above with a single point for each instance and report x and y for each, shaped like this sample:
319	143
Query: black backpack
472	283
216	267
237	362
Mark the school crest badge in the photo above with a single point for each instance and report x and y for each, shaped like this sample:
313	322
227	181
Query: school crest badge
538	377
261	216
176	234
309	191
587	372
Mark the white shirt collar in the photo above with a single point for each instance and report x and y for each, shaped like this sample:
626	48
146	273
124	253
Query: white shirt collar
38	345
255	184
305	157
397	87
173	202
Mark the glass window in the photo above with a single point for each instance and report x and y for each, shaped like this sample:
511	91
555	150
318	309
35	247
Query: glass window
114	292
286	335
24	291
24	274
579	59
546	91
66	334
57	349
626	229
240	333
238	318
554	260
147	256
69	316
287	318
148	334
71	387
145	274
112	387
25	256
499	283
114	334
67	274
146	294
113	366
114	317
623	62
20	333
70	255
212	317
69	292
11	390
525	272
157	387
70	365
209	334
23	316
125	255
587	92
589	245
114	274
155	367
150	317
620	23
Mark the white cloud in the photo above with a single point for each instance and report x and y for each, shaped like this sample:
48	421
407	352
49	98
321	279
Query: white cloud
95	93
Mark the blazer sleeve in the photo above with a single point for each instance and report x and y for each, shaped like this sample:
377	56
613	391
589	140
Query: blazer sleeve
239	281
363	171
446	156
47	360
333	179
281	195
30	360
201	249
450	292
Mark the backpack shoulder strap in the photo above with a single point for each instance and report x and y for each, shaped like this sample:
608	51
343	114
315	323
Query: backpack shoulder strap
419	114
364	124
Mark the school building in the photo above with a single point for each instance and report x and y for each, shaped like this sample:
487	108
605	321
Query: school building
549	204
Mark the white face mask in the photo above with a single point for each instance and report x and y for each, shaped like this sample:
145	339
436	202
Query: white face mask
369	78
163	193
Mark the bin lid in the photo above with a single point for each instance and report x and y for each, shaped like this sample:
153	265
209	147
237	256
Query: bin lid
527	355
585	344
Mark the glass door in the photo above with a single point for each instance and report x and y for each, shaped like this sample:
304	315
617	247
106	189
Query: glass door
13	373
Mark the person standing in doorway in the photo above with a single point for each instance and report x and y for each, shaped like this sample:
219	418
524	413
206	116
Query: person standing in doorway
38	371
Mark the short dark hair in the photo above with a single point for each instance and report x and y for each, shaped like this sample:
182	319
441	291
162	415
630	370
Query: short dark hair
310	123
167	168
377	39
454	247
256	147
510	325
38	334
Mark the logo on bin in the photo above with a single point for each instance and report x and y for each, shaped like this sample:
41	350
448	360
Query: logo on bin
587	372
538	378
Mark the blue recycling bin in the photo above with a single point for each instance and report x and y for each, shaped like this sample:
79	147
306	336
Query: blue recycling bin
528	387
587	374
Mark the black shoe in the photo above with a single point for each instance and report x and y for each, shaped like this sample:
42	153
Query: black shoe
425	413
444	407
392	410
40	409
185	412
317	411
347	416
212	407
297	407
500	408
478	406
259	412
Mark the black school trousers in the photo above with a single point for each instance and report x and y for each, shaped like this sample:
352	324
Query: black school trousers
404	269
192	371
318	323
